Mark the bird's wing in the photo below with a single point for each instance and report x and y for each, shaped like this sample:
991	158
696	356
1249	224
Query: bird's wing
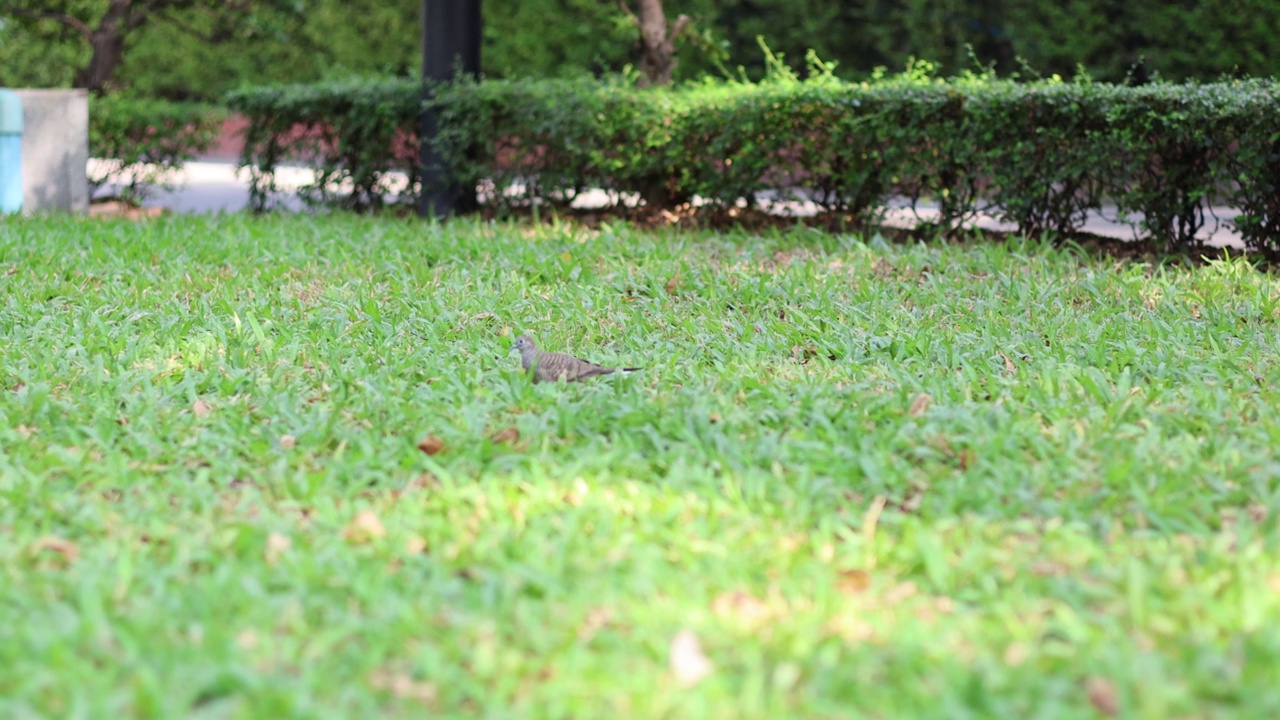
553	366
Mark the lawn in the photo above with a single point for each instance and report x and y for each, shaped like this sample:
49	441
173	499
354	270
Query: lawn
854	479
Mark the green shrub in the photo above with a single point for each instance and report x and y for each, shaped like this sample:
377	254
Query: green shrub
1252	183
1040	155
142	143
1046	150
1170	143
550	139
358	134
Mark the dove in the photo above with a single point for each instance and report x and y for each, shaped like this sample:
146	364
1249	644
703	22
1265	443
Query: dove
553	366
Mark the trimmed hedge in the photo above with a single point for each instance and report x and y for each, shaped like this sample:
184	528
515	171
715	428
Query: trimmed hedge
1036	154
357	133
145	141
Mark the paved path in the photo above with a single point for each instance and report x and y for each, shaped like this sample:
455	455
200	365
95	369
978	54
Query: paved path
211	187
216	186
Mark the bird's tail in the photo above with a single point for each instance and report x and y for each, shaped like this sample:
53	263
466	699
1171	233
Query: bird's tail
629	369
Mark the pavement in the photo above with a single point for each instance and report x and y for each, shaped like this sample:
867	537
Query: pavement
204	187
216	186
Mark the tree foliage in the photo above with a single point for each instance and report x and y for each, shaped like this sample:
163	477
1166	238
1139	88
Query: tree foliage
327	40
1112	41
95	34
199	49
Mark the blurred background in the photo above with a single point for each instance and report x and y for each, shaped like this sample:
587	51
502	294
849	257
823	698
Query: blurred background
193	50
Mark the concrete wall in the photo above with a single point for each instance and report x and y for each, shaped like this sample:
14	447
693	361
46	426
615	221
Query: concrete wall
55	150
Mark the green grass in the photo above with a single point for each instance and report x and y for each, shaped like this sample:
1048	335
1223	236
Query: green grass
1079	520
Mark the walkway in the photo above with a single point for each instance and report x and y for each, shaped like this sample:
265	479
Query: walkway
216	186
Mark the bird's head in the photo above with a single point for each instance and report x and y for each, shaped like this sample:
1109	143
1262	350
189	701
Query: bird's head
524	344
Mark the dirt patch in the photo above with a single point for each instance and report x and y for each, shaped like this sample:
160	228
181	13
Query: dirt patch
111	208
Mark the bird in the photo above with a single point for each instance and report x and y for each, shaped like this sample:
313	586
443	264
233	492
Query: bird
553	366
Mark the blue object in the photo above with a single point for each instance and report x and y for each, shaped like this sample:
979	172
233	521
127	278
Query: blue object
10	152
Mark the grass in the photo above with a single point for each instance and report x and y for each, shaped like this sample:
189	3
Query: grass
997	480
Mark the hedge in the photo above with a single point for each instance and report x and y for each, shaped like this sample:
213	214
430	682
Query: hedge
143	142
1040	155
357	133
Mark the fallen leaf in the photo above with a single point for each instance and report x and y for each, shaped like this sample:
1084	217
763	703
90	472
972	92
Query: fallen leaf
673	285
741	606
900	592
277	544
967	457
1102	695
505	437
919	405
688	663
578	494
853	582
1016	654
936	605
365	527
415	545
402	685
594	622
288	442
913	499
1049	568
201	408
67	549
424	481
804	353
1008	364
247	640
431	445
26	431
871	519
852	627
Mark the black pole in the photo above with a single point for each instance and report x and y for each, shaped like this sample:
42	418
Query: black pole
450	41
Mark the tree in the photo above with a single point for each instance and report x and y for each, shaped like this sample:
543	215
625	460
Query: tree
657	41
105	27
332	39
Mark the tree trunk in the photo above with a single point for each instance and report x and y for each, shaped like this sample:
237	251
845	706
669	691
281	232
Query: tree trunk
107	44
107	40
657	42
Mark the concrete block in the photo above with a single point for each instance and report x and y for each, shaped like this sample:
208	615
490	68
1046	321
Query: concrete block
55	150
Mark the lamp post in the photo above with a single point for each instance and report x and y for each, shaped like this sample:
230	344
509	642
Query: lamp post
450	41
